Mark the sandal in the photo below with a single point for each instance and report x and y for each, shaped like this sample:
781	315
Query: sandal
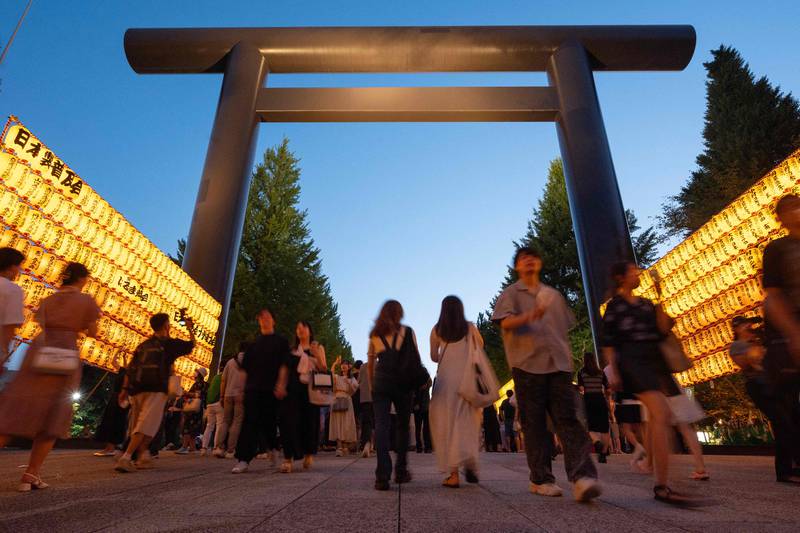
700	476
665	494
30	482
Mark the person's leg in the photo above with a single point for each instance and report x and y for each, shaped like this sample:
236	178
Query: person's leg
367	418
784	427
690	438
211	425
659	433
418	430
222	439
310	433
289	421
573	436
531	391
235	429
402	404
39	451
248	438
381	406
426	431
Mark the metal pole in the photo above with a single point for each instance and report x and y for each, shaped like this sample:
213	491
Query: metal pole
598	217
16	29
216	231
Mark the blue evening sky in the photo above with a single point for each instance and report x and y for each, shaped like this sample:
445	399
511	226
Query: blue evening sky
406	211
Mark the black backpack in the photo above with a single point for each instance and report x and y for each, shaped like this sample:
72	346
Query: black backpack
148	370
400	367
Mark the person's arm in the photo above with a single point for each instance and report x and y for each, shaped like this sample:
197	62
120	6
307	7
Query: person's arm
280	384
435	343
476	332
318	351
517	321
223	382
123	393
371	364
663	320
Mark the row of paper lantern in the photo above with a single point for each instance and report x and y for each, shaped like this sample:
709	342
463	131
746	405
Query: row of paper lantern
67	247
110	330
101	227
711	367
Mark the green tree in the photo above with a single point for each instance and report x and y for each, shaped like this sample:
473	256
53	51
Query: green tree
178	257
750	126
279	266
550	232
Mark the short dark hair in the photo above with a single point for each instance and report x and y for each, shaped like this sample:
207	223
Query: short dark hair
526	250
267	310
785	202
510	392
158	321
10	257
73	272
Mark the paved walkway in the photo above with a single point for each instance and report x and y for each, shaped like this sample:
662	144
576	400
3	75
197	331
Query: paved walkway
199	494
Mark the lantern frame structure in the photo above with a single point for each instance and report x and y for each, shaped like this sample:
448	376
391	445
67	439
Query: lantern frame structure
569	55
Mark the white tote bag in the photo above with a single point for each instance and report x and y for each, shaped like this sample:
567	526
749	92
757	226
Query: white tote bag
685	410
479	386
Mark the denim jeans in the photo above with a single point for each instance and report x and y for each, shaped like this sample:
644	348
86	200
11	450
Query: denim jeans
382	404
539	395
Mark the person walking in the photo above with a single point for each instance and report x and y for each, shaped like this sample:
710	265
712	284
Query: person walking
491	429
114	424
146	386
265	364
366	415
299	418
593	385
389	340
215	418
633	327
37	404
456	423
534	320
192	411
508	414
232	401
782	331
343	420
12	300
421	401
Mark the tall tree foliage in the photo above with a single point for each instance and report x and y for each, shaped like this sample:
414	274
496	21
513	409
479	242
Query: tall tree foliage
750	126
550	232
279	266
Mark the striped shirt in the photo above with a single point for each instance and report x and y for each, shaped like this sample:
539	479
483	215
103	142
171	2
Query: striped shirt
592	384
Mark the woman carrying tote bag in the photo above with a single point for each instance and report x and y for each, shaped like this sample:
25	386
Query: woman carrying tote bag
37	405
455	423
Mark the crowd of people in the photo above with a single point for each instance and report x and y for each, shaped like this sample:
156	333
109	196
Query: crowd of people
275	397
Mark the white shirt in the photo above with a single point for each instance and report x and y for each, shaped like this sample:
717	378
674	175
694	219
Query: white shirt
11	304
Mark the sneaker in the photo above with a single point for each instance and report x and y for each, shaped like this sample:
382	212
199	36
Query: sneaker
124	465
381	484
182	451
219	453
105	453
286	467
240	468
546	489
229	455
402	476
339	452
586	489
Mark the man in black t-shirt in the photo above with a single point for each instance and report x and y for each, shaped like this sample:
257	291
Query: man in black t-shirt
148	398
265	364
782	313
508	411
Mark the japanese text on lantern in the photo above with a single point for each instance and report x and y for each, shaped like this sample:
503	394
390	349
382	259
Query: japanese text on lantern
53	216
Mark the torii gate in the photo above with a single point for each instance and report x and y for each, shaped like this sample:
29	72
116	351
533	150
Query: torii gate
569	55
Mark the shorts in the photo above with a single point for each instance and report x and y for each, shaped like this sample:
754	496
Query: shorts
147	411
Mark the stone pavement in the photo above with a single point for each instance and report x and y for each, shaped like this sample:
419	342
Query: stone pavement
191	493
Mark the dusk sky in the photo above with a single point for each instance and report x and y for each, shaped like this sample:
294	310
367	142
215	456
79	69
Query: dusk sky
407	211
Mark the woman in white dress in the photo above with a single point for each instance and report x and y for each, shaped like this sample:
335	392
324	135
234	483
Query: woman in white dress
455	424
343	419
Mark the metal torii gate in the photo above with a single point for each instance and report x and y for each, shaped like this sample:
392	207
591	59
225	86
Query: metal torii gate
569	55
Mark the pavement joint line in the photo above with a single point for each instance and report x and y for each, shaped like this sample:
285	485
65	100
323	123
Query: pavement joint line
511	506
317	485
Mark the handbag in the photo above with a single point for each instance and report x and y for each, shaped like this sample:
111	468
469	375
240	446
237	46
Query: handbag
673	353
341	404
320	388
52	359
479	385
304	367
685	410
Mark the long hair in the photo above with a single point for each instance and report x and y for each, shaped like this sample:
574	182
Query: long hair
310	331
590	365
388	320
452	325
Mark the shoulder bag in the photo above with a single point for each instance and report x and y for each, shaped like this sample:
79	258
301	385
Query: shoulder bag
320	388
52	359
479	385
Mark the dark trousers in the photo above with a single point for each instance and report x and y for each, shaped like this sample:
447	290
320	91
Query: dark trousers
367	423
382	404
299	424
539	395
512	441
780	406
259	426
422	430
